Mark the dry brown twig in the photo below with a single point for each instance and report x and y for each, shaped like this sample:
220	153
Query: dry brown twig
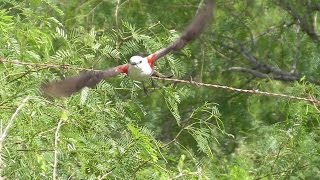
247	91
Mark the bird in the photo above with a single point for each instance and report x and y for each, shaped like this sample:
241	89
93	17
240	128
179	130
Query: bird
138	68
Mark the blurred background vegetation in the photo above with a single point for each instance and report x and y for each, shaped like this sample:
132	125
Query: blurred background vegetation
175	131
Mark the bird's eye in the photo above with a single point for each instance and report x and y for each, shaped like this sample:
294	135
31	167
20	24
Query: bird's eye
140	61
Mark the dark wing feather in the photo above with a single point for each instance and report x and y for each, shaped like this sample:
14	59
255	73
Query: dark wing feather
73	84
196	27
70	85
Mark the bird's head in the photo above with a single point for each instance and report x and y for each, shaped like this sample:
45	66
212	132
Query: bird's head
138	61
139	68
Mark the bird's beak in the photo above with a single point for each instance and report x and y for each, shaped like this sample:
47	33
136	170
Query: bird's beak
133	63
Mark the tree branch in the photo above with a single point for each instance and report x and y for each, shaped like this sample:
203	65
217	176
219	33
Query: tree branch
279	76
247	91
262	70
6	130
298	51
251	71
56	142
13	117
303	22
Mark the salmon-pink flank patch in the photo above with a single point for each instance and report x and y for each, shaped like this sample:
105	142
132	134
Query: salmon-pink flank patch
151	58
123	69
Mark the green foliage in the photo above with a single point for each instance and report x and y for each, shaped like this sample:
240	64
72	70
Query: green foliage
173	131
172	100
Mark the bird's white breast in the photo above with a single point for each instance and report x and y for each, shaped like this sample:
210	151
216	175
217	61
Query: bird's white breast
140	72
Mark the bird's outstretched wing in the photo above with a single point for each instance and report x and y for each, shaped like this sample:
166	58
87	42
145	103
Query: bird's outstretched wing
73	84
70	85
195	28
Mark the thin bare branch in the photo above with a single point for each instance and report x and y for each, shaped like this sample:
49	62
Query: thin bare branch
4	133
247	91
280	76
56	66
251	71
273	72
303	20
310	100
116	12
107	174
298	51
56	142
10	122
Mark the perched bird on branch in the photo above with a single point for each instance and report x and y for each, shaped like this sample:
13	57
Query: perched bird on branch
138	68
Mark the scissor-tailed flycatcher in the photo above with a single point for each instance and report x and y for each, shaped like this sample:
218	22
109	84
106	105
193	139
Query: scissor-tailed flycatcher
138	68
